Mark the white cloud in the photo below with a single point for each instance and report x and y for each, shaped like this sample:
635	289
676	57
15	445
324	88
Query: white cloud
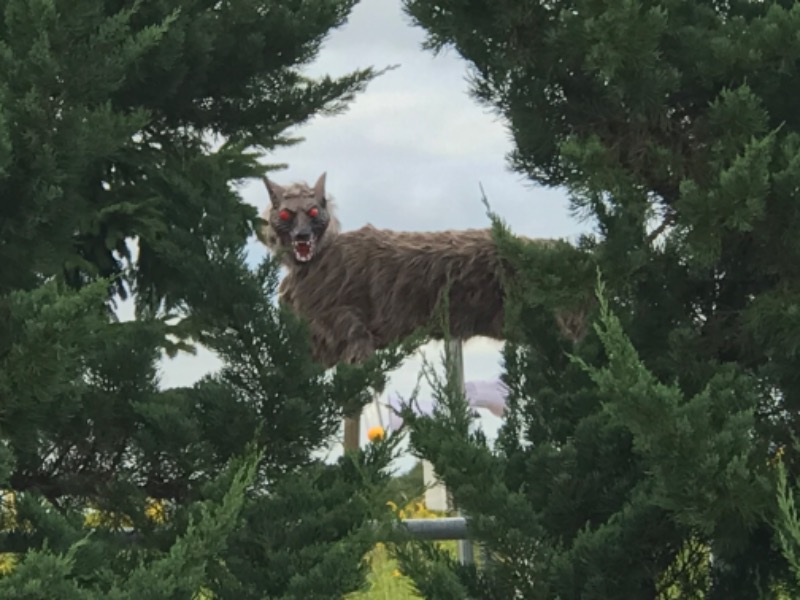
422	122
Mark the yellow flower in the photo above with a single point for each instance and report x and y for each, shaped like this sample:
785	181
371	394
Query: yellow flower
8	561
777	457
8	510
375	434
396	573
156	510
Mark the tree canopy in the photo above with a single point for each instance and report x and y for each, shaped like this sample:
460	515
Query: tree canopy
641	462
125	128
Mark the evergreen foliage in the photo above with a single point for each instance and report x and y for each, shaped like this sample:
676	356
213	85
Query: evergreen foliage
124	127
640	463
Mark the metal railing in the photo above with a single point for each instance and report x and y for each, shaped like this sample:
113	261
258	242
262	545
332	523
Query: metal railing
441	529
446	529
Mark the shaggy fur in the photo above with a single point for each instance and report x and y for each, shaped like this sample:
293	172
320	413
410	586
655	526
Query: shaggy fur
365	289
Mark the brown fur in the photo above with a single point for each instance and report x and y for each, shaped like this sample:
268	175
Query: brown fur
368	288
373	287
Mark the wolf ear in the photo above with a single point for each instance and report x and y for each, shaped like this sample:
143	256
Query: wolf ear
275	191
319	191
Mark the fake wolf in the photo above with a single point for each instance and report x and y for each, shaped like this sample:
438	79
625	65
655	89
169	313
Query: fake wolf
362	290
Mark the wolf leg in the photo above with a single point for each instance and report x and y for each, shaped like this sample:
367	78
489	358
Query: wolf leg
344	338
358	345
355	342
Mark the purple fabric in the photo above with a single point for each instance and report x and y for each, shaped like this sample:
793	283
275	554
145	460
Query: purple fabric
490	395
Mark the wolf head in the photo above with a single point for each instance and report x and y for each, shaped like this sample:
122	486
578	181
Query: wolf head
300	223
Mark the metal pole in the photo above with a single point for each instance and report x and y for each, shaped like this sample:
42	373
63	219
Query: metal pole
466	554
352	433
447	528
352	425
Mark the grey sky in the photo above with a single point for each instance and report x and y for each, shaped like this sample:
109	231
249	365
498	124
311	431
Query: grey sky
409	154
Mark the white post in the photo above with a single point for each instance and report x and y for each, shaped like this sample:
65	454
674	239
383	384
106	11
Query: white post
435	491
436	496
466	554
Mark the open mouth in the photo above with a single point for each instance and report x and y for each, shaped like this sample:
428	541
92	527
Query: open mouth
303	250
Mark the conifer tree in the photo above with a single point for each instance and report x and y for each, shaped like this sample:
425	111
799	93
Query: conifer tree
641	462
124	129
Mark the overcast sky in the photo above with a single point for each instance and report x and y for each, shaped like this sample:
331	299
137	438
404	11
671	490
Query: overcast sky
409	154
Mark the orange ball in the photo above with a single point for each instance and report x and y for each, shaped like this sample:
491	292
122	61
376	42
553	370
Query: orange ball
375	434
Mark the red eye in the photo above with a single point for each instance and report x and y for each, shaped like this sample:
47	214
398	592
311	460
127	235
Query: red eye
313	212
284	215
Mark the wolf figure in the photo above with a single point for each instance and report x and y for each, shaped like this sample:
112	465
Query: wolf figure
362	290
